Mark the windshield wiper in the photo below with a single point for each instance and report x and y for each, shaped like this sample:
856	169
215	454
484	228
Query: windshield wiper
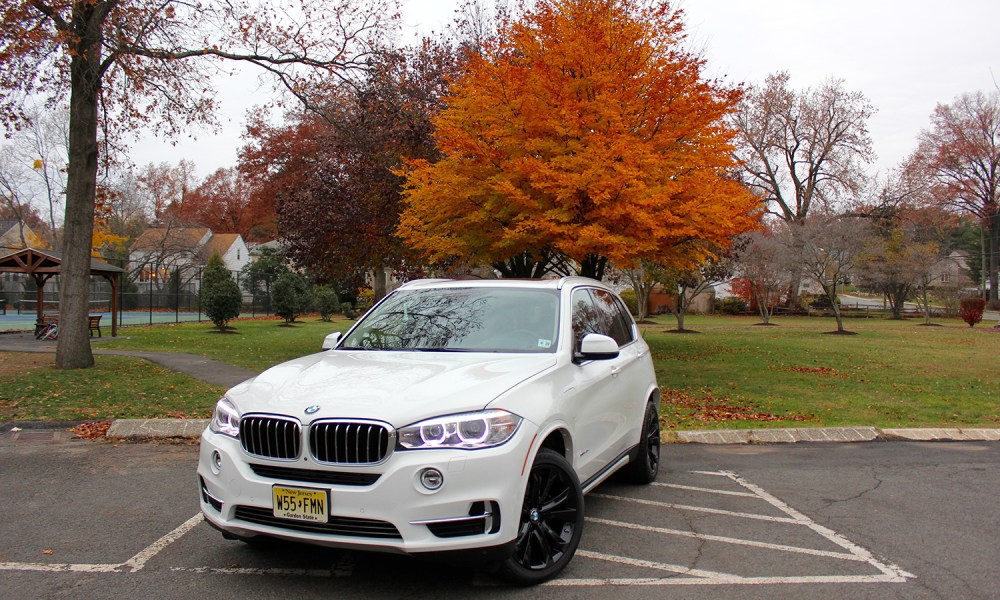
441	350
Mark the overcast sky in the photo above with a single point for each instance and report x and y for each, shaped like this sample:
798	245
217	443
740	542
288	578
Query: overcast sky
906	56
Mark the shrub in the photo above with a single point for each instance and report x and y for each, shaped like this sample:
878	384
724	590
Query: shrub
366	297
348	310
220	296
327	301
730	306
821	303
971	310
290	296
631	301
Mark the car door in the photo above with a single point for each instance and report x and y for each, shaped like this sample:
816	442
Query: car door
634	368
599	424
629	387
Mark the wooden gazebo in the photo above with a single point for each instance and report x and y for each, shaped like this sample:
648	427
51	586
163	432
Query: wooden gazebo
41	265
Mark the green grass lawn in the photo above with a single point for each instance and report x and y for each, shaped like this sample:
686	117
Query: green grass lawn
254	343
892	373
117	387
733	374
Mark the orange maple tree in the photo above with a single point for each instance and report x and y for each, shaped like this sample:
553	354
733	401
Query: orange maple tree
583	128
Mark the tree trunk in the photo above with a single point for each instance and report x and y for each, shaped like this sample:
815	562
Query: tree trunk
832	295
524	266
380	283
73	350
593	266
994	252
680	308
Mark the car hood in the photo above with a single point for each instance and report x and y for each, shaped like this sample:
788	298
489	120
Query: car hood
399	388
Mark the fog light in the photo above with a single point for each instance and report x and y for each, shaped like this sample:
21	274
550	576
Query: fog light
431	479
216	462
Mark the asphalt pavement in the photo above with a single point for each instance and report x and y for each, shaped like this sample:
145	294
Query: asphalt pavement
907	520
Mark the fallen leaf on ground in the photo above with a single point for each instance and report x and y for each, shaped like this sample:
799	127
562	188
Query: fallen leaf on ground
92	430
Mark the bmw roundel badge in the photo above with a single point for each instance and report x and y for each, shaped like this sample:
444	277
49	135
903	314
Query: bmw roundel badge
312	409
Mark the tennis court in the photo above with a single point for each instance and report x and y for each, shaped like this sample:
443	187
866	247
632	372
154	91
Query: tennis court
26	321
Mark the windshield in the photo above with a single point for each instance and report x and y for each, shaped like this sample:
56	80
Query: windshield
461	320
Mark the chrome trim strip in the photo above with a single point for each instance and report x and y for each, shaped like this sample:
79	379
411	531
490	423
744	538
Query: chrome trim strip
605	473
485	515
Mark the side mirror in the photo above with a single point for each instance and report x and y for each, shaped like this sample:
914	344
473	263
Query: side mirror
331	340
595	346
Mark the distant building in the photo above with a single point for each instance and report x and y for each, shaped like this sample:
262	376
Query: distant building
15	236
164	252
952	271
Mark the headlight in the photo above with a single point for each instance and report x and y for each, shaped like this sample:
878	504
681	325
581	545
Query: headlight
468	431
226	419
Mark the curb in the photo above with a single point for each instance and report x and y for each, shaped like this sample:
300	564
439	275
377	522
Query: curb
137	429
832	434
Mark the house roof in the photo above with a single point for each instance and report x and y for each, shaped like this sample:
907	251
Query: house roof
219	243
177	238
10	237
33	260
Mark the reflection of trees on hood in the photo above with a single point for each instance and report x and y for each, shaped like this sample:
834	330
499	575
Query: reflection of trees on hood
423	320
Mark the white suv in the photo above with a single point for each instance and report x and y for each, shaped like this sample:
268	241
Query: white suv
456	415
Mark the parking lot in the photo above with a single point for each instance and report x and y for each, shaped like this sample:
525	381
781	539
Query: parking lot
896	520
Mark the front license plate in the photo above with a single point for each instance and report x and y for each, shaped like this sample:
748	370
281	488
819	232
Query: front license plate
300	504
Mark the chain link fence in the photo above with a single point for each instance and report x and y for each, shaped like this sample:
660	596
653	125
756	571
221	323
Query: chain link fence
175	300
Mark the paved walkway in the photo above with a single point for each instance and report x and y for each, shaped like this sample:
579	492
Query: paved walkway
226	375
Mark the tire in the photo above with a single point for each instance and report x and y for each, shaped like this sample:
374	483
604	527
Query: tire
551	522
645	463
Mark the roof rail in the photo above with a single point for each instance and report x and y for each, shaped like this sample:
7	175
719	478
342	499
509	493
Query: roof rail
420	281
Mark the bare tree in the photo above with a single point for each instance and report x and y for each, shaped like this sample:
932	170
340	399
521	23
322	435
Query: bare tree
959	155
126	63
765	265
712	266
831	247
894	264
803	150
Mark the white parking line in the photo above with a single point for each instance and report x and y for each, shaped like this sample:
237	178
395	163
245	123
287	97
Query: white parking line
680	574
727	540
58	567
132	565
692	488
138	561
704	509
888	569
888	573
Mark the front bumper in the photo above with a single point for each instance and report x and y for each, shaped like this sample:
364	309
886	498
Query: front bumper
477	507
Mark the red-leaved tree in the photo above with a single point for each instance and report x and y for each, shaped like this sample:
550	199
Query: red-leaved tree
971	310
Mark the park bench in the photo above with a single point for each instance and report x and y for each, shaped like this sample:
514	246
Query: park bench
94	322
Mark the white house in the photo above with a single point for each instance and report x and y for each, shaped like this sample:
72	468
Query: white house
161	251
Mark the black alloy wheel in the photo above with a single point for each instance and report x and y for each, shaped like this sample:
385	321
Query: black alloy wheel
551	522
646	459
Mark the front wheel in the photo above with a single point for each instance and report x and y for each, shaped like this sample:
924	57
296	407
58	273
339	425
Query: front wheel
551	522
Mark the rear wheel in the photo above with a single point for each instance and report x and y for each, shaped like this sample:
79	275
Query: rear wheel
551	522
646	464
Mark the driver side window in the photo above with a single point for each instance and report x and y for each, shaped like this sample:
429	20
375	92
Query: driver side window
586	317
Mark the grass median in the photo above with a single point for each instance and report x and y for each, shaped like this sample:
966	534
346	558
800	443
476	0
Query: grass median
732	374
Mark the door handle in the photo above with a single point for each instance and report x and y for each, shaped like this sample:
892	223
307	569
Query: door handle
615	370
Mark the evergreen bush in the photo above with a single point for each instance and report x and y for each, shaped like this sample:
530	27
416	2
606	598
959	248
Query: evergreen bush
220	296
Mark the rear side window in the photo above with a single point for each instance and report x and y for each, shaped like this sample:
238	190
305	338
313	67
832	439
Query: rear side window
586	317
